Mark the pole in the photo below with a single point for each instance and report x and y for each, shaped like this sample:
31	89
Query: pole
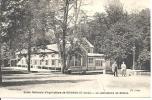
133	67
64	32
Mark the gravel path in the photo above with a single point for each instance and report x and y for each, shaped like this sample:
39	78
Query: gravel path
59	85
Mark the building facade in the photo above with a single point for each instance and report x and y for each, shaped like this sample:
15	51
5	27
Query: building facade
49	59
87	60
41	60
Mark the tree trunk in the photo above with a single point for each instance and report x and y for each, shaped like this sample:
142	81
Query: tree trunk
68	61
64	34
29	51
0	66
0	46
76	15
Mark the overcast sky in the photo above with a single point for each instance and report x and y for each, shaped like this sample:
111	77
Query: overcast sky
129	5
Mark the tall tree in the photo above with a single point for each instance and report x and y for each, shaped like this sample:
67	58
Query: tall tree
39	21
115	11
11	21
66	8
0	42
143	24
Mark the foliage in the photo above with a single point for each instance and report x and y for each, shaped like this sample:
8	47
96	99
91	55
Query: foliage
115	32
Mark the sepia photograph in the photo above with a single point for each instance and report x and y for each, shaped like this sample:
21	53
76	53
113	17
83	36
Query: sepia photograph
75	49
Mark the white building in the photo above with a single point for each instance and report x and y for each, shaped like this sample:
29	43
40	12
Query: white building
41	60
49	60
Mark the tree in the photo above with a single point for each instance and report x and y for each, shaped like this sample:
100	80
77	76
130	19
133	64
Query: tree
74	34
11	25
115	32
39	21
115	11
0	42
12	19
66	8
143	24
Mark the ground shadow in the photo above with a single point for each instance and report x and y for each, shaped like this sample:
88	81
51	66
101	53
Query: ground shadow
88	73
31	77
30	82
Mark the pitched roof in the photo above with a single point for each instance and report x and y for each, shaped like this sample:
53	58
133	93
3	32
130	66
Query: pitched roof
50	49
53	47
90	45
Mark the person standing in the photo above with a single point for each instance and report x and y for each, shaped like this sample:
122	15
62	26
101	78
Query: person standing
123	69
115	69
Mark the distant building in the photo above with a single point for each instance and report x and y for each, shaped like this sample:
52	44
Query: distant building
41	59
49	60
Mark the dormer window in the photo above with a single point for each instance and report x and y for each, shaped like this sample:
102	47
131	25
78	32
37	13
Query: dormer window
53	55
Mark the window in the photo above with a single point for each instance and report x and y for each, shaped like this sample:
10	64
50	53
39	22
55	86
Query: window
101	63
44	67
59	61
40	62
46	62
53	62
22	62
39	67
23	66
90	60
50	68
35	62
97	63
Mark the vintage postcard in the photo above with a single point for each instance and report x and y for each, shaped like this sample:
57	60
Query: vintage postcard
75	48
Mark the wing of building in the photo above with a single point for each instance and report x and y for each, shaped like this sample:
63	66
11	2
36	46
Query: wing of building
49	59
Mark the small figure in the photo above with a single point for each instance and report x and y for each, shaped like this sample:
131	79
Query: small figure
115	69
123	69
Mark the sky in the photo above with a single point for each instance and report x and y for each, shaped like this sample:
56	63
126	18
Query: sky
129	5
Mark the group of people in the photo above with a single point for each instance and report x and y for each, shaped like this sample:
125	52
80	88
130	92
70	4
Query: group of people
115	69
